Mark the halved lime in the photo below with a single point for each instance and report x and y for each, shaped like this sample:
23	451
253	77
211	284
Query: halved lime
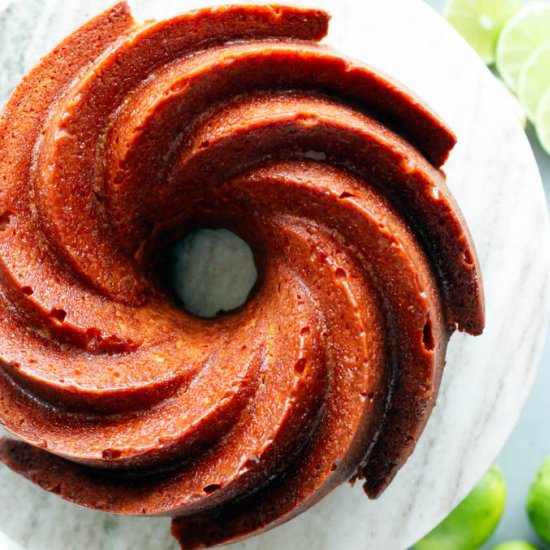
534	80
538	500
515	545
527	31
542	123
480	22
474	520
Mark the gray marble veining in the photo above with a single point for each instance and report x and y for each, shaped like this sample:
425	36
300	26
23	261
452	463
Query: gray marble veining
494	177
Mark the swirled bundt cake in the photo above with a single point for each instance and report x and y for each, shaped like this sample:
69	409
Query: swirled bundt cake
127	137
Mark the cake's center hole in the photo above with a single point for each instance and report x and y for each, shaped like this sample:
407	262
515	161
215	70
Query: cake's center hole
213	272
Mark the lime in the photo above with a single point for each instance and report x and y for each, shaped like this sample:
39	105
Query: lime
538	500
534	79
542	122
515	545
480	22
474	520
521	36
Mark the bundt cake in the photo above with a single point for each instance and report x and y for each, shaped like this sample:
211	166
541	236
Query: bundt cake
124	139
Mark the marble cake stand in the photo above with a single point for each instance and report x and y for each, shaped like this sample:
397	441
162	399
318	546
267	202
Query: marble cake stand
495	179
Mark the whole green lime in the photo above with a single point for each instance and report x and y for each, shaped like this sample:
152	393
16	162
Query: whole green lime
515	545
474	520
538	502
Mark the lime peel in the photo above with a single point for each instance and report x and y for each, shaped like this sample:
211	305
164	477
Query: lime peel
542	124
474	520
538	500
516	545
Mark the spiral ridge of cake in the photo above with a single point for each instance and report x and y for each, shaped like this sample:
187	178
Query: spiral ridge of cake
125	138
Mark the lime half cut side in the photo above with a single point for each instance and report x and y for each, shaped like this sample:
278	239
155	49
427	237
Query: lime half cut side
542	124
480	22
534	80
524	33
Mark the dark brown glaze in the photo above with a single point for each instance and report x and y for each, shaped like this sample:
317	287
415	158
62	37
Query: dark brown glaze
125	138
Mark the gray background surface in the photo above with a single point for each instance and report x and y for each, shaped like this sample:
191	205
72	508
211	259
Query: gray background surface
529	444
530	441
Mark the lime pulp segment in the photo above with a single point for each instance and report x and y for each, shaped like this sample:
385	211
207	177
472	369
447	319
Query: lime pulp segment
534	80
524	33
480	22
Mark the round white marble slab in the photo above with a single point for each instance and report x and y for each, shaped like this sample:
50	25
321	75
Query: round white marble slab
495	179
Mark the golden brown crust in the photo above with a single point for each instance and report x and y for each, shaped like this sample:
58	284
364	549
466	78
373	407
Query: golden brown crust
122	140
